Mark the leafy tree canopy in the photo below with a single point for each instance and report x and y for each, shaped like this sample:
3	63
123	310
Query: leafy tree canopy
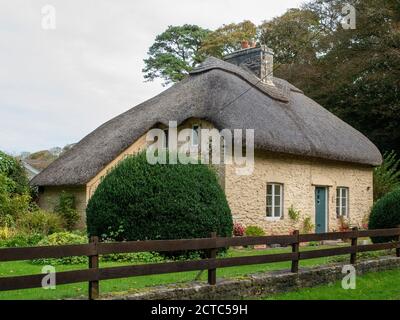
228	38
174	53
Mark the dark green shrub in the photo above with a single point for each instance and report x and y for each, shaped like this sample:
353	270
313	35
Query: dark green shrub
66	208
138	201
385	214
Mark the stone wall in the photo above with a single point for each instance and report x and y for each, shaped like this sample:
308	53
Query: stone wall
247	194
49	199
262	284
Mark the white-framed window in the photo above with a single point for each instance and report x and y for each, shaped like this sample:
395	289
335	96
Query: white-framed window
342	201
195	135
274	200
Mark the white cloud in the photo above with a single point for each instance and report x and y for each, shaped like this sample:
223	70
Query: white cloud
58	85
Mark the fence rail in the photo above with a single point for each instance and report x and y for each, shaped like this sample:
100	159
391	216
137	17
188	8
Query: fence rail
95	248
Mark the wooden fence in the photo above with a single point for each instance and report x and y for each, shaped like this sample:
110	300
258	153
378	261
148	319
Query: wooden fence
95	248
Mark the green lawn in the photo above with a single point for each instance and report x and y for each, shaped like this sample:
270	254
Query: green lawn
133	283
383	285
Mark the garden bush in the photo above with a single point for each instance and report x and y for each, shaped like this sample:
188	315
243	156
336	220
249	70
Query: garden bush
66	208
254	231
62	238
238	230
387	175
21	240
139	201
385	214
40	222
13	169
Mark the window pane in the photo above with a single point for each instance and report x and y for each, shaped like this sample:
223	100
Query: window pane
269	211
269	189
269	200
277	211
277	189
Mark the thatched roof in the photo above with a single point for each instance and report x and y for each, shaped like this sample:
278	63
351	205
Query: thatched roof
284	120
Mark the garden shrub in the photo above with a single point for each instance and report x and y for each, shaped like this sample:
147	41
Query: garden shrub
385	214
11	204
21	240
254	231
238	230
308	226
14	170
387	175
62	238
158	201
40	222
66	208
6	232
294	214
134	257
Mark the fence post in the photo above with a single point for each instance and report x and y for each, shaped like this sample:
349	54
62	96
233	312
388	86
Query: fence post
295	249
353	256
212	254
94	264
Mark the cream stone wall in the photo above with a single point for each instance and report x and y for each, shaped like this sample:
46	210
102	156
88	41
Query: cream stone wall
49	198
247	194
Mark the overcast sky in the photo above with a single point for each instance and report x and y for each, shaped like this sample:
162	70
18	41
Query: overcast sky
58	85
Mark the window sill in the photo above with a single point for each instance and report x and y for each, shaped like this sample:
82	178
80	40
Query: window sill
273	218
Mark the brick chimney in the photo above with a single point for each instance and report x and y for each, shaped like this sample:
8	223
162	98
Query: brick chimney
259	60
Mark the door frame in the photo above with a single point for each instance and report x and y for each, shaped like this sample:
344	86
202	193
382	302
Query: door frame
326	207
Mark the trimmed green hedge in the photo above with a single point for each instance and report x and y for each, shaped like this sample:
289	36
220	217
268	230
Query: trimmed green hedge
139	201
385	214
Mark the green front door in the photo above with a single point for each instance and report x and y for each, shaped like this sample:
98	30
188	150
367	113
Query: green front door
320	209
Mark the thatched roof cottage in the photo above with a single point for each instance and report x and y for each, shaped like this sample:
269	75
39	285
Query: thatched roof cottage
306	158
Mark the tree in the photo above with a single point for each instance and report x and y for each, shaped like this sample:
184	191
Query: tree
292	36
13	169
228	38
295	39
174	53
359	71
